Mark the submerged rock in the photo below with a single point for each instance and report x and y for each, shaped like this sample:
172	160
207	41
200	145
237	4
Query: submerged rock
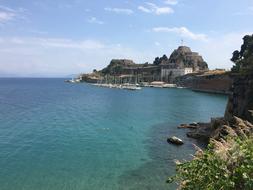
175	140
194	124
186	126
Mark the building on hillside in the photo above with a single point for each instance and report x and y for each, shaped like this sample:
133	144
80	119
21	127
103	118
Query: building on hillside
182	61
170	74
144	72
183	57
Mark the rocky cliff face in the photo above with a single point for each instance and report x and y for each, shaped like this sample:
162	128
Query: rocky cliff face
238	118
184	57
240	103
116	66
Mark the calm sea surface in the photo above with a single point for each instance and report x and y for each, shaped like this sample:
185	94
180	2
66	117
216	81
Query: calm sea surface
59	136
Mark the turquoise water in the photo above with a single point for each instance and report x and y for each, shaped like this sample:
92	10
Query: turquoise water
59	136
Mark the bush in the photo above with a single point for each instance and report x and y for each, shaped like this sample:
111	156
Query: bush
224	165
243	59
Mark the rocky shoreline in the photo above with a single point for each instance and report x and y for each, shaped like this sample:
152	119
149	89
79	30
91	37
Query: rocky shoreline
227	161
218	129
238	117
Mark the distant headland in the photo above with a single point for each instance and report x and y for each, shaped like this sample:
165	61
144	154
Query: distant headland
183	68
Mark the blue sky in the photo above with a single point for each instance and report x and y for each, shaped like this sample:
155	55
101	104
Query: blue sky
62	37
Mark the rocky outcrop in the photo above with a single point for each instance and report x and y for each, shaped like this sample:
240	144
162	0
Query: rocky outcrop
94	77
238	117
235	127
123	62
240	103
220	128
175	140
184	57
116	66
201	131
214	82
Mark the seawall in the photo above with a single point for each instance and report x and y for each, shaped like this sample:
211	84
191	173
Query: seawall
206	82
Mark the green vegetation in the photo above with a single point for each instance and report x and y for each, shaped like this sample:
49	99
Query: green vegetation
243	59
115	67
224	165
160	60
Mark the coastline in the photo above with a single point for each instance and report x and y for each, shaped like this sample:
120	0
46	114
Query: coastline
212	91
227	161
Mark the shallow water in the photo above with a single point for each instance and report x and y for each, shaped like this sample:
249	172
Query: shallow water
60	136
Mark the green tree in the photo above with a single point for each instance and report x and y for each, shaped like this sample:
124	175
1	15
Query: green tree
117	69
156	61
164	58
243	59
159	60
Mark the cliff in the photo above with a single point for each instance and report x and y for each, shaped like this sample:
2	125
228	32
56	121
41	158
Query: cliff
215	82
94	77
227	162
116	66
240	103
230	149
184	57
238	117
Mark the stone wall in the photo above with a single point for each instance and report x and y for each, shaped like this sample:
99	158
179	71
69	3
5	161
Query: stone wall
215	83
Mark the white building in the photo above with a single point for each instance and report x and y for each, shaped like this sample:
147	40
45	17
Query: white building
169	74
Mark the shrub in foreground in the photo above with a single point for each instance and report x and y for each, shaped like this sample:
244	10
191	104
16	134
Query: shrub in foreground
224	165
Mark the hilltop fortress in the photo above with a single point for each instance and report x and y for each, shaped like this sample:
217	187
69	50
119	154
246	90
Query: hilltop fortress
182	61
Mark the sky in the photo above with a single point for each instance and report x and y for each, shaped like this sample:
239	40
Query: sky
57	38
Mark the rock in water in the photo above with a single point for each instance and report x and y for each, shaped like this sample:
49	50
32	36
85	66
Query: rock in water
175	140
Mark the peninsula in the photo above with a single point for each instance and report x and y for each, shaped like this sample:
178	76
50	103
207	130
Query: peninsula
182	68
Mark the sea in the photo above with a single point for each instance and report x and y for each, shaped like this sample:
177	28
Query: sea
62	136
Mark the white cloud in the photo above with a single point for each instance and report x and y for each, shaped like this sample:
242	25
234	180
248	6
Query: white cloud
146	10
62	43
119	10
59	56
94	20
8	14
153	8
17	41
183	32
7	8
218	50
37	32
171	2
66	43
